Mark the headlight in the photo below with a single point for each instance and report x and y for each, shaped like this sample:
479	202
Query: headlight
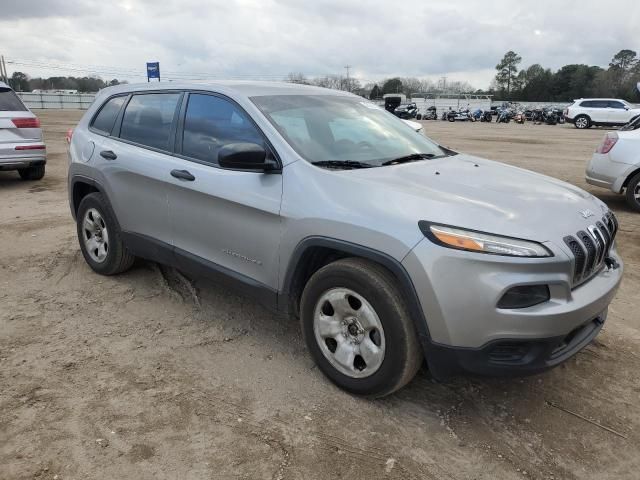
470	240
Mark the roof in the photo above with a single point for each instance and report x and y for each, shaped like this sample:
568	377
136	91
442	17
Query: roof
245	88
4	85
612	99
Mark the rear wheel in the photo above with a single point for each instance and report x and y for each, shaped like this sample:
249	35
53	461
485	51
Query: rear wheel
358	329
32	173
633	192
99	236
582	121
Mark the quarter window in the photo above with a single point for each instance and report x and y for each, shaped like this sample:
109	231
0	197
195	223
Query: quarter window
148	117
107	115
212	122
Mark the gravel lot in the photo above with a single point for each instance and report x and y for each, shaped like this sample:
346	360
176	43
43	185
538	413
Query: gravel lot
151	375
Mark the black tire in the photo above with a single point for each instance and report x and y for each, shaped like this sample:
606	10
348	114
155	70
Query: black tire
419	116
32	173
118	258
402	355
581	122
633	189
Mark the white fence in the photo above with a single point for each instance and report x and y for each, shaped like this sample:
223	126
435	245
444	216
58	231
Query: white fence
77	101
82	101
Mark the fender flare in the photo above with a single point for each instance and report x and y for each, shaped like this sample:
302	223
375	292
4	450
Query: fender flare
77	178
394	266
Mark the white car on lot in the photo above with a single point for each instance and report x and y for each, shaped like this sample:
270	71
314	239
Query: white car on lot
616	163
587	112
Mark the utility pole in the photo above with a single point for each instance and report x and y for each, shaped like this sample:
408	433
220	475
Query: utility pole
3	70
348	81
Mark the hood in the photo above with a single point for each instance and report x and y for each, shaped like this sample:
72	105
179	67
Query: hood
470	192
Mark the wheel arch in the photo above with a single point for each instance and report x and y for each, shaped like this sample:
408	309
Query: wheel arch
313	253
81	186
629	177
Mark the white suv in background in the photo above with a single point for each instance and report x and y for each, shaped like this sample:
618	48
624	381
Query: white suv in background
587	112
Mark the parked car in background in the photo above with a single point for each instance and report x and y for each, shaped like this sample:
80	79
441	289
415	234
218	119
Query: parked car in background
406	111
615	165
21	143
388	247
588	112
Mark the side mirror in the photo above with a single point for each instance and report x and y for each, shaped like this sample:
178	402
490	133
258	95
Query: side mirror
245	156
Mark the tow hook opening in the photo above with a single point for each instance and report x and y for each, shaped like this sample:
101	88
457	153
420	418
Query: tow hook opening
611	263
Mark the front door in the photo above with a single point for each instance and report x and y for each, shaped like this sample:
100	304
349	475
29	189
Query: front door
228	220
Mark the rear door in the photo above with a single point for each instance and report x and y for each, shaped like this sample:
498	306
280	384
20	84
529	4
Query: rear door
133	161
17	124
227	220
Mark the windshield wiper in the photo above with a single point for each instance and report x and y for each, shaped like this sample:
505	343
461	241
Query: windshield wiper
342	164
414	157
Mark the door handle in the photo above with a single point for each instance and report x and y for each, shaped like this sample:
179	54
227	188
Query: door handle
108	155
183	175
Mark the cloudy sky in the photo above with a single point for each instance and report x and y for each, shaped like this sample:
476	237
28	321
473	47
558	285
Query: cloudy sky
200	39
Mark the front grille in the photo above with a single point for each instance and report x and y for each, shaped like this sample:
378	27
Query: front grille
591	247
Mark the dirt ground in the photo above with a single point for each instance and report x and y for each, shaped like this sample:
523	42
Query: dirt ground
148	375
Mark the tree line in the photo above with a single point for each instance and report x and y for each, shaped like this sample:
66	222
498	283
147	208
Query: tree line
21	82
536	83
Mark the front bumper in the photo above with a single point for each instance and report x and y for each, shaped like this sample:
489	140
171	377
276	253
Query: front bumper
459	292
512	357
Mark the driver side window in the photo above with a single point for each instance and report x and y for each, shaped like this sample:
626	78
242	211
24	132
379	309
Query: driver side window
211	123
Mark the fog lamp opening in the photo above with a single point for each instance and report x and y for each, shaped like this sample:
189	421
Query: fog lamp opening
524	296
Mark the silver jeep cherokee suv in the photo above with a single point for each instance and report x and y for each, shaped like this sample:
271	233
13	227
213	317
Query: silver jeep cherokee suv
387	246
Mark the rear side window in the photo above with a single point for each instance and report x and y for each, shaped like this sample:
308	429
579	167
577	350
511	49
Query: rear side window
9	101
107	115
213	122
147	119
594	104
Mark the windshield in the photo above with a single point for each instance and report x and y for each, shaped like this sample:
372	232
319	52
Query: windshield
332	128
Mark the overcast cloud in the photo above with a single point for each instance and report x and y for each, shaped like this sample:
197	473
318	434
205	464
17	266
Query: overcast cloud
239	38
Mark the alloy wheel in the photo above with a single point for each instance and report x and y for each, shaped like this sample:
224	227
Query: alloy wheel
95	235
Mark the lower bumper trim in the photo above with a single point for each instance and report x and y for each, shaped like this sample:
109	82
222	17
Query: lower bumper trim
511	357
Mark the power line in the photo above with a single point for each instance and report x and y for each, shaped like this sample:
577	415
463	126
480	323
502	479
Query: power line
134	73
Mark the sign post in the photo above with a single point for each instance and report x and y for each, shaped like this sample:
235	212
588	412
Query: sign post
153	70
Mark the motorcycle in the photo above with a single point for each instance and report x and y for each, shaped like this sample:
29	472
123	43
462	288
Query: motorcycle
462	115
505	115
482	115
519	117
430	114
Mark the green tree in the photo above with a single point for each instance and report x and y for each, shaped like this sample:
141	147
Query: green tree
507	71
20	82
393	85
375	92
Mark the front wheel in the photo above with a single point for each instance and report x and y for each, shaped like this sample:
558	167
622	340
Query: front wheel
32	173
358	329
633	192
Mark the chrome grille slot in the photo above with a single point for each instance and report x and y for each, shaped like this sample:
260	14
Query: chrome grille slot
579	255
591	252
590	248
